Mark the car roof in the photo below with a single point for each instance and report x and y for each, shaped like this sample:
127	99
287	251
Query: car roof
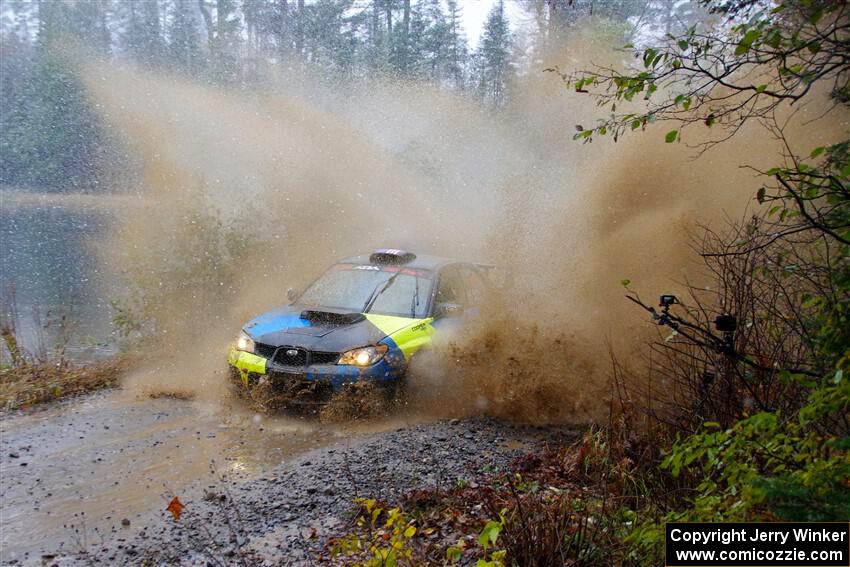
423	261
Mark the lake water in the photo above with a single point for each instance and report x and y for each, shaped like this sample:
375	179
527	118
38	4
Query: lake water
48	265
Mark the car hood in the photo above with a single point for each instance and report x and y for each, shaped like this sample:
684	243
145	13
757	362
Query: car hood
322	329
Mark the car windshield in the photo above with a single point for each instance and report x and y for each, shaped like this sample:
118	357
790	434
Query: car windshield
353	287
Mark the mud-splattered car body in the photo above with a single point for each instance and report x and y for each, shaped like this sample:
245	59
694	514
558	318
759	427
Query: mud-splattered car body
362	320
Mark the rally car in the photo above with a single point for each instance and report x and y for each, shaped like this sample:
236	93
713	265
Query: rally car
362	320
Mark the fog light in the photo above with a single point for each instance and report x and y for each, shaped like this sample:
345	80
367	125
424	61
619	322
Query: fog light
244	342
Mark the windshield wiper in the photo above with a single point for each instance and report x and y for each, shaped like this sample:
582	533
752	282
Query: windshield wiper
373	297
415	302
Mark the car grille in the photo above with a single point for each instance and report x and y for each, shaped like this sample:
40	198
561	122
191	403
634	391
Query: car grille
289	356
294	356
266	351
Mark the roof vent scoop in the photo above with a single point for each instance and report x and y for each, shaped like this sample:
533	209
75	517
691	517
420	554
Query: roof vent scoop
391	256
318	317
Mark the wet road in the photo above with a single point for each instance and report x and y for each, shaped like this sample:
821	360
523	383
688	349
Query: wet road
75	474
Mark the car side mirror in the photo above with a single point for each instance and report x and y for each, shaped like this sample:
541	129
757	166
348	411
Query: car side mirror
448	310
292	294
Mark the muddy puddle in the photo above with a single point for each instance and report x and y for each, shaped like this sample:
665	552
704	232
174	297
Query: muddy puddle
105	466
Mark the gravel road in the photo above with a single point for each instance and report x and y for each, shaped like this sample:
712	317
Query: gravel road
279	488
289	514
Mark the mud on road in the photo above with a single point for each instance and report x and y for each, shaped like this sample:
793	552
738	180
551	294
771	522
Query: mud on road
89	480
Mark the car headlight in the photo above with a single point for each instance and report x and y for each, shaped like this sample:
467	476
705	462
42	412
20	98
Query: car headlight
366	356
244	342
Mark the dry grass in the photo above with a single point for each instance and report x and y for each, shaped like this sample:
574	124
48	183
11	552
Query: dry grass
28	384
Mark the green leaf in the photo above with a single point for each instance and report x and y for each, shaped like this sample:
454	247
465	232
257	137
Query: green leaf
817	151
773	38
747	41
761	88
671	136
625	282
683	45
649	57
489	534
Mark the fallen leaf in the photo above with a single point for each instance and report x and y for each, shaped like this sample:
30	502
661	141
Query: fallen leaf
175	507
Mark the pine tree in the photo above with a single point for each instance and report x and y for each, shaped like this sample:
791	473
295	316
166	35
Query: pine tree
493	66
434	51
222	38
280	27
376	40
400	56
456	47
184	42
142	37
255	13
91	19
51	137
330	42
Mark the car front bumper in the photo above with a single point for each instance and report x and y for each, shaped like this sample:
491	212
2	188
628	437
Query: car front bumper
254	367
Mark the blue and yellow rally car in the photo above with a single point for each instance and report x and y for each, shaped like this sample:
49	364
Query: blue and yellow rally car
362	320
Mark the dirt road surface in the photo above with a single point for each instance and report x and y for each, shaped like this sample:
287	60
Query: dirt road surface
88	480
71	474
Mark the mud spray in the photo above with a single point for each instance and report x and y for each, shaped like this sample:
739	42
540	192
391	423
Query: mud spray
243	195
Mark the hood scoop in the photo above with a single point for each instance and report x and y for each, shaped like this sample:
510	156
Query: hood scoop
331	317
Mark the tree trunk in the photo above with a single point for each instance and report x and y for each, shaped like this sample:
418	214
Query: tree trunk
299	28
405	38
220	19
283	31
376	23
205	12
